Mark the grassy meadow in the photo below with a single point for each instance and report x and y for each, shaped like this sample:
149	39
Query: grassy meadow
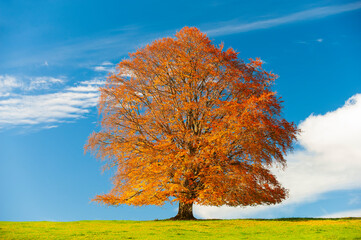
203	229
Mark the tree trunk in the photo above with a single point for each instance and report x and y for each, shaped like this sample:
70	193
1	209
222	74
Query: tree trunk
185	212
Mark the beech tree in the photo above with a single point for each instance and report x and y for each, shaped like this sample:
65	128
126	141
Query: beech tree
183	120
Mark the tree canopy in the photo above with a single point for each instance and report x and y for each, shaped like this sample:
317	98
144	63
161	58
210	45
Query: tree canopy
183	120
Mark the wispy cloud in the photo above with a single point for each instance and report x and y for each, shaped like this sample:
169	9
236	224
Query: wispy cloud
37	83
82	51
105	67
329	161
95	81
310	14
107	63
8	84
70	103
45	108
113	44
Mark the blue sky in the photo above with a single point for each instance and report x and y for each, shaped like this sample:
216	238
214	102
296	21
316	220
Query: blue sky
55	54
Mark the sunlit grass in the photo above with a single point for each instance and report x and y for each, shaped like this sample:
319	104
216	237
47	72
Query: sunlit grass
206	229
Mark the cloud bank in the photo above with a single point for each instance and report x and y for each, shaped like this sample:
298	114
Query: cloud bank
329	160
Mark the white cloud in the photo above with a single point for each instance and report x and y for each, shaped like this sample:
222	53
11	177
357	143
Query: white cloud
7	84
107	63
102	69
4	94
71	103
314	13
37	83
94	81
7	81
50	127
351	213
320	40
330	160
88	88
45	108
105	67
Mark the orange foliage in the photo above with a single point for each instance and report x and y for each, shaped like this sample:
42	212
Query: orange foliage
184	120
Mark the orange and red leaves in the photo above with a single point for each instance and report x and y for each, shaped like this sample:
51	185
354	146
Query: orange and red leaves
184	120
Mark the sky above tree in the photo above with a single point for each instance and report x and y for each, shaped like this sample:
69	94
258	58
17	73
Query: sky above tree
56	54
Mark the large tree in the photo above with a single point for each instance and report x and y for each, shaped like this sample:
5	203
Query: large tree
185	121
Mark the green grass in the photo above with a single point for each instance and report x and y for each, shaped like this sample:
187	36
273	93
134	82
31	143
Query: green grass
206	229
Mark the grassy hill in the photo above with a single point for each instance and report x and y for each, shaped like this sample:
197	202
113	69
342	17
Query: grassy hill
296	228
